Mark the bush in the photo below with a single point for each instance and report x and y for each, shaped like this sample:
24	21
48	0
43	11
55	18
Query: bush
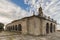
1	26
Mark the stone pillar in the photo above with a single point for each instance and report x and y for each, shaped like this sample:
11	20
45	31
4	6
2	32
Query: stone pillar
11	28
52	28
14	27
49	28
17	27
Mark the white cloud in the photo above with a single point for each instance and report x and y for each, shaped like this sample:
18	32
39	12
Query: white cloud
5	20
9	11
50	7
58	27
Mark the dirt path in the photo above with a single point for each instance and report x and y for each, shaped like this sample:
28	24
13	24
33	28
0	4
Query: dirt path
16	36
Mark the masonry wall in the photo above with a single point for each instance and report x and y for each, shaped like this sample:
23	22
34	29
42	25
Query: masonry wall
37	26
44	22
30	26
24	26
34	26
23	23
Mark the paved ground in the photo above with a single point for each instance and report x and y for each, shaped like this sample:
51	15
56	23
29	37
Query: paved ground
16	36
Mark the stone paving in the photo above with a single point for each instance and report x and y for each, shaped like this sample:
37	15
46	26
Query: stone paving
17	36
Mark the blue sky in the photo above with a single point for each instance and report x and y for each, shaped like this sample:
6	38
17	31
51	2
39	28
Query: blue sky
16	9
20	3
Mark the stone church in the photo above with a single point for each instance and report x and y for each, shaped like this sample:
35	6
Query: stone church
33	25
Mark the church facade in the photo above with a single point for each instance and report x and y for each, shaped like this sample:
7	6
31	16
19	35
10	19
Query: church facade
33	25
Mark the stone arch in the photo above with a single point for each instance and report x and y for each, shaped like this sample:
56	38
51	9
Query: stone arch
16	27
51	27
47	28
19	27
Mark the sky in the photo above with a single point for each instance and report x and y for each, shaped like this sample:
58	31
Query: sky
16	9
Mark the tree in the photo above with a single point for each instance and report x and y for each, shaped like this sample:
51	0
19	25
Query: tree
1	26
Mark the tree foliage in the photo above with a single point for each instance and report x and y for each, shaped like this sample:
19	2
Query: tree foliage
1	26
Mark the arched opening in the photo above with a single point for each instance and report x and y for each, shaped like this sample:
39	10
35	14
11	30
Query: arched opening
47	28
19	27
16	27
51	29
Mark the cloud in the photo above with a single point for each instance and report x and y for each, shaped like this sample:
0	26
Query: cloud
10	11
50	8
5	20
34	4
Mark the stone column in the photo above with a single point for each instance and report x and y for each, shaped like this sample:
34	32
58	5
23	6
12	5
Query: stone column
49	28
52	28
17	27
14	27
